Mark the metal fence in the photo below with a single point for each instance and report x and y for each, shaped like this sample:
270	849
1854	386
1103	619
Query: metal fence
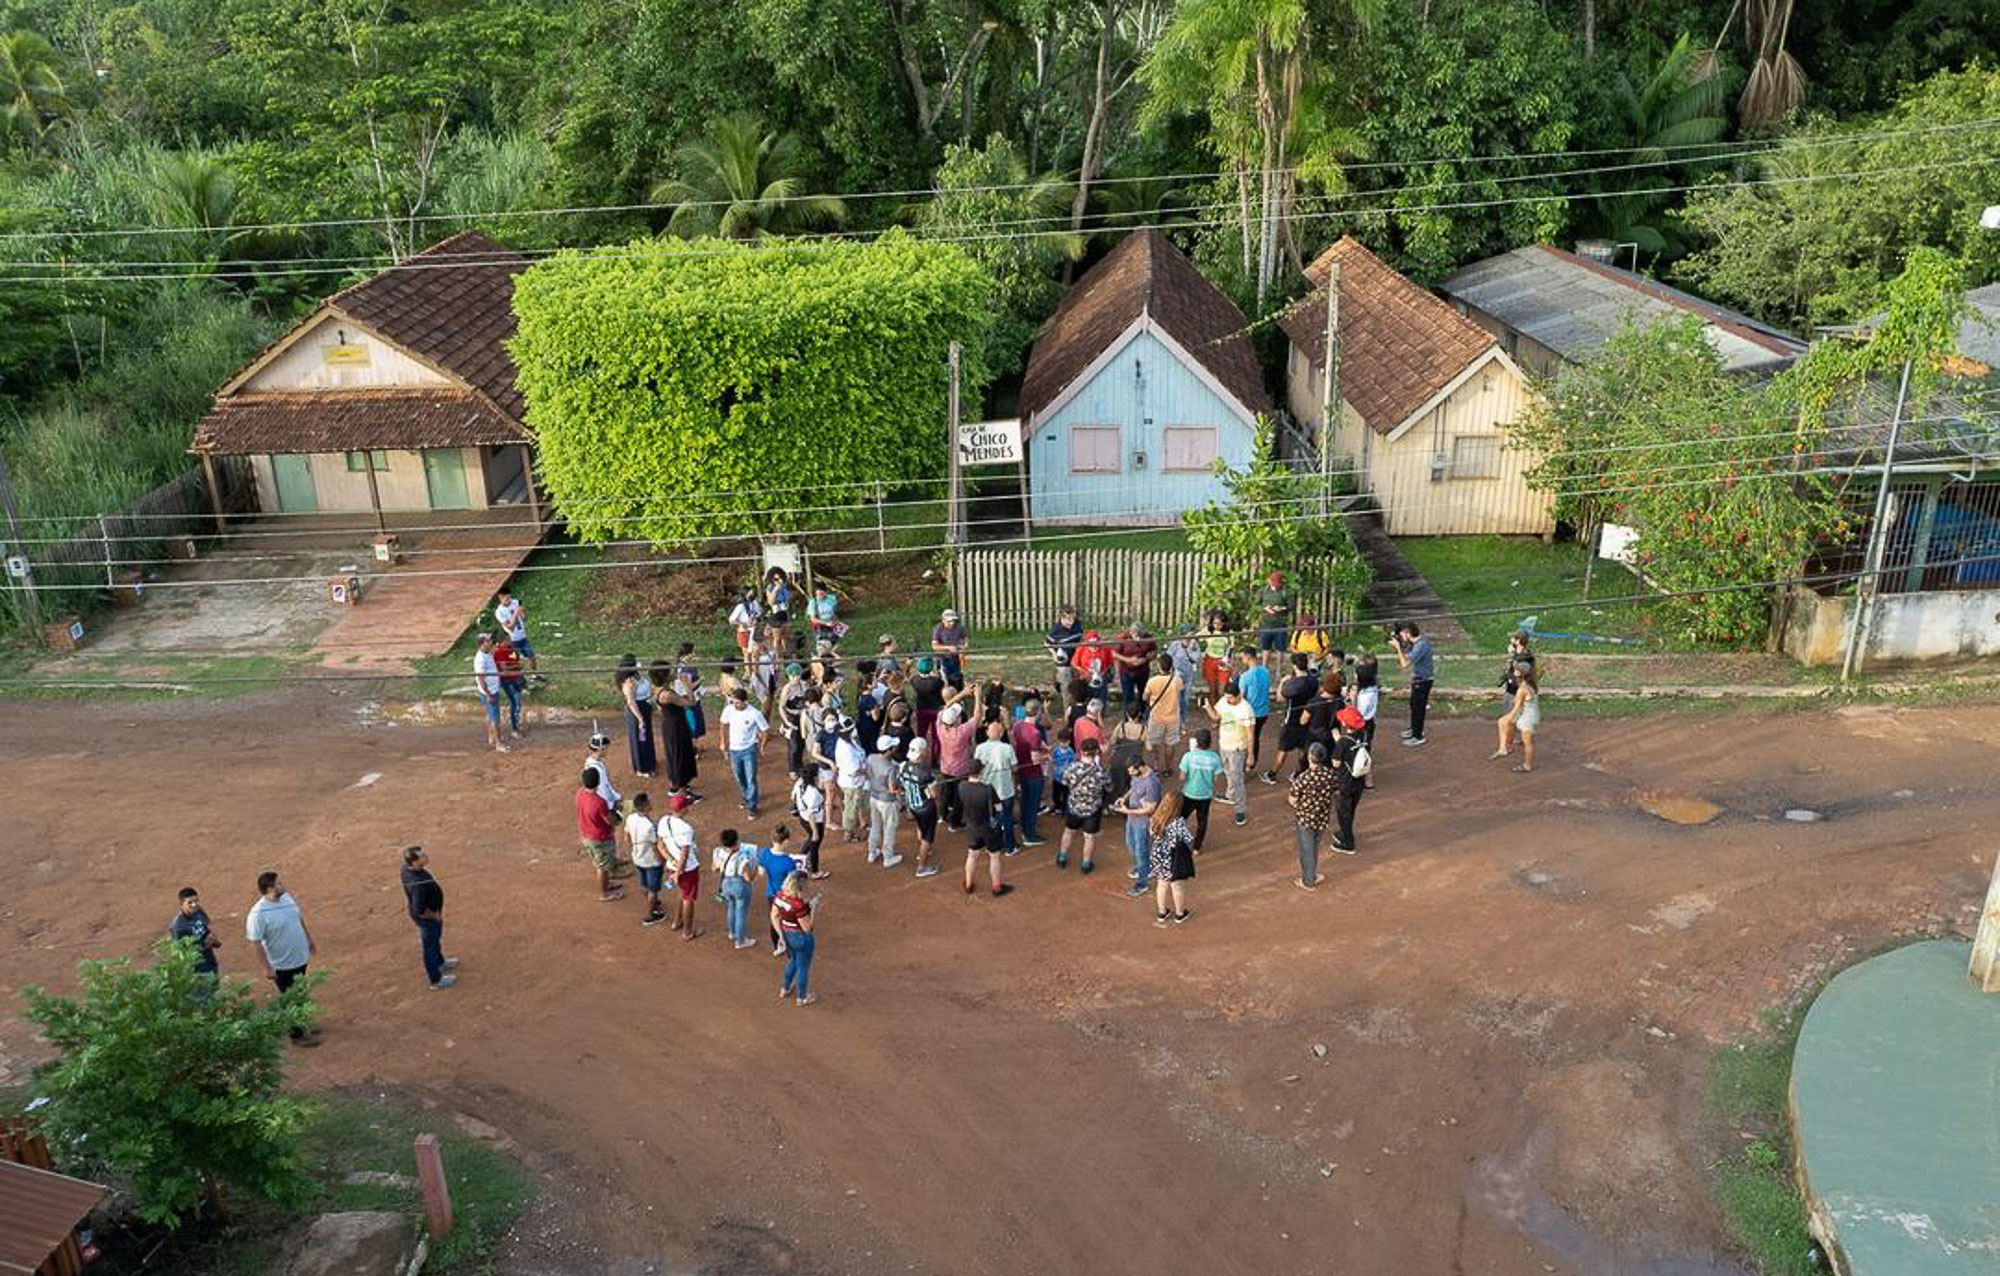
1943	534
1022	588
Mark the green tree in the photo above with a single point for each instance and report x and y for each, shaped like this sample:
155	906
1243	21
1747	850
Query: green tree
1269	521
31	88
1669	108
987	203
743	182
177	1093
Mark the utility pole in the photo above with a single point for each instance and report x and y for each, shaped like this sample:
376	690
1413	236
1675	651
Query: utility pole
953	525
1329	389
26	586
1861	625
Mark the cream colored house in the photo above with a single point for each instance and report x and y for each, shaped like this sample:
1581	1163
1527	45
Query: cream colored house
1424	395
395	395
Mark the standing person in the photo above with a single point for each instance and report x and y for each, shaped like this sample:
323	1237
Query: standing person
1274	621
1185	652
682	851
1367	698
1215	654
1163	715
426	900
743	729
1137	804
1524	715
1235	724
792	699
850	767
1062	756
1093	661
678	761
1309	640
823	611
1413	652
594	759
643	837
809	804
276	929
778	610
1297	692
926	697
507	663
1134	654
1090	724
597	831
688	674
979	804
887	659
918	782
957	737
735	865
1170	857
1518	654
746	616
1124	747
486	682
792	916
512	617
1352	761
635	688
1061	642
190	925
1199	767
1255	680
775	863
883	809
1311	799
949	641
1083	811
996	761
1030	753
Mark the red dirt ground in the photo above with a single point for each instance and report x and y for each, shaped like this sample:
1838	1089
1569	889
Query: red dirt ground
1517	987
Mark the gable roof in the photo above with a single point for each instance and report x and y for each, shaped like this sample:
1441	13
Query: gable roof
1400	347
1144	277
406	419
1574	306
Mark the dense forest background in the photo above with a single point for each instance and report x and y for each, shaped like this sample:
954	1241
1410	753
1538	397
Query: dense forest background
182	178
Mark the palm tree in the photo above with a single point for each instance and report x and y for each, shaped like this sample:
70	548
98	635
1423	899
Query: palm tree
1126	202
1670	112
743	183
188	190
31	89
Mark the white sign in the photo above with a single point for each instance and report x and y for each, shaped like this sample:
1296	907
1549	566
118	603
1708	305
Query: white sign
786	557
1616	543
989	442
17	566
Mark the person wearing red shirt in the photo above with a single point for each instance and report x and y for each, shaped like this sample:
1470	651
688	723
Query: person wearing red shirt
1092	662
792	918
1031	750
597	830
512	682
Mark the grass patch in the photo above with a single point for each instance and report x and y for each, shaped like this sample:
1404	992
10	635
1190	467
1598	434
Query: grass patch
145	676
1149	540
1748	1086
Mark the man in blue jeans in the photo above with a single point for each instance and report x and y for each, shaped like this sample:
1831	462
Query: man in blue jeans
426	900
743	731
1136	804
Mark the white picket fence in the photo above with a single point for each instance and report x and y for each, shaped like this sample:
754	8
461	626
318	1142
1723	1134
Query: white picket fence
1022	588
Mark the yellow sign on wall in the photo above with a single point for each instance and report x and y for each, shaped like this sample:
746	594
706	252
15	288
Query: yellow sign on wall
346	356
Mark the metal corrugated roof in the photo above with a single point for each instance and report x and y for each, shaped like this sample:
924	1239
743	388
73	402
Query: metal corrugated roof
1574	306
38	1209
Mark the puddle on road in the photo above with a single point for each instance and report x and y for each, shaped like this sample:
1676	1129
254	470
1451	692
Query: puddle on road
1679	808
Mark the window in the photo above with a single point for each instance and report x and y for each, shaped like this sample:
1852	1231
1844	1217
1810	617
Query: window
1475	456
1093	449
377	460
1189	449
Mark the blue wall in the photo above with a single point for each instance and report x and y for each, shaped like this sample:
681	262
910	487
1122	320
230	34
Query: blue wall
1164	393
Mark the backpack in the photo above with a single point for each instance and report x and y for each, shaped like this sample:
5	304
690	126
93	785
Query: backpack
1362	762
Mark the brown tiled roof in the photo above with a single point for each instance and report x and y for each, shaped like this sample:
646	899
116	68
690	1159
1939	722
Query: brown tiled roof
453	304
1144	274
352	420
38	1208
1399	345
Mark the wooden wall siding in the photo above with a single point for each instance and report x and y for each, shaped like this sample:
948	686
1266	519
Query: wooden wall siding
402	486
303	364
1143	390
1021	589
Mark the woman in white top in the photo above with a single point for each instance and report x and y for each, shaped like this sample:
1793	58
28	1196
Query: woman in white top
1523	717
809	804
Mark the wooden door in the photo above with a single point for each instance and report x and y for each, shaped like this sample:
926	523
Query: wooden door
444	475
292	472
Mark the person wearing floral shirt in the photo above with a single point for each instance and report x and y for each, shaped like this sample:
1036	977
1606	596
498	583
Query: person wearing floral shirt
1311	800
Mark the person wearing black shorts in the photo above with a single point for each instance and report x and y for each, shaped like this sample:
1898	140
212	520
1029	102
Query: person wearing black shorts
1297	691
1083	808
918	782
976	799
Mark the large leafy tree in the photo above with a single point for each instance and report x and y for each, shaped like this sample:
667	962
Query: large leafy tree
1666	112
31	86
744	181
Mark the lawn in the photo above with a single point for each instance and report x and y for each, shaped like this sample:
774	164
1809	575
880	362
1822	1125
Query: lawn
1748	1085
1493	583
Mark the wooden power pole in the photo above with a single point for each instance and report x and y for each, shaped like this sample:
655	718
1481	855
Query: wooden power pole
1329	389
954	527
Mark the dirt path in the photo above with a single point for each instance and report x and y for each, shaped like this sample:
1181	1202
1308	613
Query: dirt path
1481	1051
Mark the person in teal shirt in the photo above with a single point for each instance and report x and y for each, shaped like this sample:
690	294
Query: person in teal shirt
1254	681
1199	767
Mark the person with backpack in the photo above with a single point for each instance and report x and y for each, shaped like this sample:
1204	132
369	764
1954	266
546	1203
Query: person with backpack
809	804
1353	761
1083	810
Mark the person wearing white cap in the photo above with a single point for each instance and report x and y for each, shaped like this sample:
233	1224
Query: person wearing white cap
957	736
879	775
850	767
917	781
949	641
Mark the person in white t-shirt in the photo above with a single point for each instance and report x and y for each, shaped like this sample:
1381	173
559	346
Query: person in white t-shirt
600	742
850	763
745	615
486	681
644	838
683	856
743	730
510	615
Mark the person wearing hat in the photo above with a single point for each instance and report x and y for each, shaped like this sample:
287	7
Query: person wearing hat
957	737
917	781
927	697
743	729
600	743
683	855
1352	761
949	641
879	776
886	658
850	767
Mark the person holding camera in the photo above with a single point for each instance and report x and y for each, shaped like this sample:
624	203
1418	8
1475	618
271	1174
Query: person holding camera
1413	652
1061	642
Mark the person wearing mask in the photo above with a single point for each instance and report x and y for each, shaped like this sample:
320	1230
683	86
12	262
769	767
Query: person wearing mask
1234	724
792	916
1199	767
1353	762
276	929
1312	796
1413	652
597	830
1137	804
1083	812
917	780
1170	858
1253	677
1031	752
996	761
190	926
949	641
809	804
884	809
1274	621
426	902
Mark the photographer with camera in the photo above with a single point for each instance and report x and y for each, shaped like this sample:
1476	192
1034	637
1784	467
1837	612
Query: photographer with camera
1413	652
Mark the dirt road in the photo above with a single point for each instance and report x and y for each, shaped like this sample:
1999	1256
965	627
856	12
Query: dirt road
1481	1050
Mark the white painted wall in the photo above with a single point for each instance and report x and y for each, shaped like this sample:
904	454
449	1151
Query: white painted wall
1940	625
303	365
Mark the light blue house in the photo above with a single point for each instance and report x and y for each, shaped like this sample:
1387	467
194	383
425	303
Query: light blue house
1140	381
